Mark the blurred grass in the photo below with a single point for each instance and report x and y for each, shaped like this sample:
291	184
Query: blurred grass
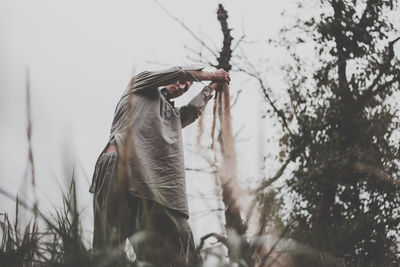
53	240
58	239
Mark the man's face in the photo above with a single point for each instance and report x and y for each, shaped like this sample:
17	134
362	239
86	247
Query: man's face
177	89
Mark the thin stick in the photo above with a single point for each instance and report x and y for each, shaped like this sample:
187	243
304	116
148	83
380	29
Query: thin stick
214	122
201	129
29	137
186	28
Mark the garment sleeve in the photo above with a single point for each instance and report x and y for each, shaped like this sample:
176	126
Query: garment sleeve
190	112
154	79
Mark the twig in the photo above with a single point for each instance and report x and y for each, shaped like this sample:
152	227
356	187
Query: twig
236	98
369	92
186	28
220	239
29	128
275	244
382	175
29	136
238	42
25	205
268	182
198	170
257	76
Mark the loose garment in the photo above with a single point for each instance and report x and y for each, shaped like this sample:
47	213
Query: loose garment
159	236
155	162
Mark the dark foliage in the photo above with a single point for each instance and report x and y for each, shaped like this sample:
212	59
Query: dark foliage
347	179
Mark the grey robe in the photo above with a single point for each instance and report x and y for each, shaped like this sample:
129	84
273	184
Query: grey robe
157	172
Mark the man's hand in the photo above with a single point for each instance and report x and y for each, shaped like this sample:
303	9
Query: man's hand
221	76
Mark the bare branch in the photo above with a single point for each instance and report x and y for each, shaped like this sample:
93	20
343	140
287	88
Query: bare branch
186	28
238	42
382	87
203	213
257	76
268	182
382	175
199	170
202	62
29	128
220	239
204	196
201	59
226	51
275	244
236	98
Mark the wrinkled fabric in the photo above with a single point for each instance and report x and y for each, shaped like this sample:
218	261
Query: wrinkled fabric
110	228
156	162
158	235
162	236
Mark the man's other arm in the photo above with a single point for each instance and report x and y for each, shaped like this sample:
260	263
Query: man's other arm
190	112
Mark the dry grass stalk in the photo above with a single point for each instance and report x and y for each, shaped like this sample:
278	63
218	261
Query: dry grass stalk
31	163
201	129
29	128
213	125
228	170
126	153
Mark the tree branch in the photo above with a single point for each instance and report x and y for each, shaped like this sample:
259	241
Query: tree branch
186	28
369	92
257	76
219	238
268	182
281	236
382	175
199	170
226	51
238	42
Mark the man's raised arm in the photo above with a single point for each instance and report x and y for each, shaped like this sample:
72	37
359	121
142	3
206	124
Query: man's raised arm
217	76
154	79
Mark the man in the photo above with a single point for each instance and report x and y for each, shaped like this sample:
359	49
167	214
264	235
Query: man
139	180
